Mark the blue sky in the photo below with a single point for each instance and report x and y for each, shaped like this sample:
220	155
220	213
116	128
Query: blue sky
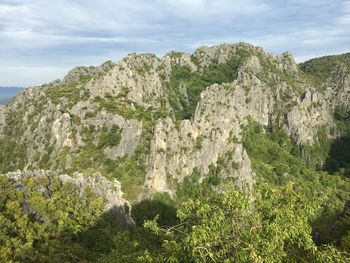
40	40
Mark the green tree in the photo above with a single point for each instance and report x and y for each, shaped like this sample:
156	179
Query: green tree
272	225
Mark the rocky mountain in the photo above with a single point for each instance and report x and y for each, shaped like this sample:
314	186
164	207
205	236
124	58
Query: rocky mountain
234	153
151	122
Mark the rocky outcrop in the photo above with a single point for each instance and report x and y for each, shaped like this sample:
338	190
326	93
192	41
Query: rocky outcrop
332	76
338	89
62	131
124	116
137	78
217	127
110	190
75	75
131	133
312	106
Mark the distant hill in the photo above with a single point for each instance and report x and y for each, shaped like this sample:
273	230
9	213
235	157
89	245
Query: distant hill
6	93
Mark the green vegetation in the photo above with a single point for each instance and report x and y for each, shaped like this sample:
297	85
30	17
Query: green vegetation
209	226
109	138
13	151
295	213
320	70
15	147
209	220
338	160
42	218
129	170
316	154
69	94
340	231
228	227
273	76
123	108
342	120
198	144
56	94
185	85
277	163
84	78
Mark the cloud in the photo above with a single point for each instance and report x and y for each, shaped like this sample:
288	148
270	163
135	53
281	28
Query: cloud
196	8
12	9
41	39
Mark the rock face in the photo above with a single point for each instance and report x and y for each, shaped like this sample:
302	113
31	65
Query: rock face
219	118
109	190
62	131
332	76
159	120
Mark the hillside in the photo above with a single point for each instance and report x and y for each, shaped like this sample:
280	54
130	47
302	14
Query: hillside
199	133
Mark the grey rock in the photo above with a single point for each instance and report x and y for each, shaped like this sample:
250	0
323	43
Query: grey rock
268	89
62	131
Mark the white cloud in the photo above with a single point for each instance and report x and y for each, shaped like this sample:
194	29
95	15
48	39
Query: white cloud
60	34
344	19
10	9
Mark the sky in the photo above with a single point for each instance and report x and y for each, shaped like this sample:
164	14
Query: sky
41	40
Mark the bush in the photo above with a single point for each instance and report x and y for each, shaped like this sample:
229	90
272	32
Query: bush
109	138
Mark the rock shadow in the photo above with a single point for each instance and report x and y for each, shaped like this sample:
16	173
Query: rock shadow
110	238
338	160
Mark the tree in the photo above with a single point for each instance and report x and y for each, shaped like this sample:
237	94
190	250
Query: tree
272	225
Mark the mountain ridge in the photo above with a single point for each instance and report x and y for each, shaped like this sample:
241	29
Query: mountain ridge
230	149
134	94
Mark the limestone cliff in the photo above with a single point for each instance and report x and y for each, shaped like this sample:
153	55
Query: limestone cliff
150	122
331	74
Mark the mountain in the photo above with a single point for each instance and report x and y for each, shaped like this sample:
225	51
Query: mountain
165	117
170	128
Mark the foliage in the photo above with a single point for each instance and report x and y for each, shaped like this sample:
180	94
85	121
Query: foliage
294	207
123	108
39	215
319	70
276	163
185	85
130	171
273	76
160	206
341	230
13	154
316	154
198	143
230	226
109	138
45	221
68	94
338	160
189	188
89	158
